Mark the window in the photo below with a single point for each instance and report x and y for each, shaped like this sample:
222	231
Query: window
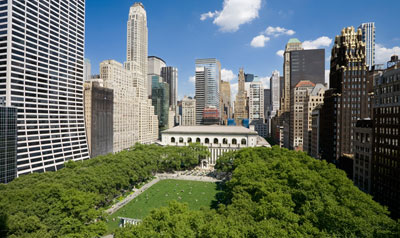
225	141
207	141
198	140
180	139
234	142
215	141
189	140
244	142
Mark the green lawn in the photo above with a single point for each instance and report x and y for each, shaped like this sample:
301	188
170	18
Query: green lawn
195	194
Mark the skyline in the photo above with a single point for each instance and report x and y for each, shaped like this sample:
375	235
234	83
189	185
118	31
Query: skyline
233	48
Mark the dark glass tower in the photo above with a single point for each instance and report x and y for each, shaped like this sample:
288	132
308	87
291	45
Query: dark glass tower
8	144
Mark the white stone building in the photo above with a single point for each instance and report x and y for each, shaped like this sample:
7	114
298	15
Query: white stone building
218	139
134	118
42	74
256	100
313	99
188	111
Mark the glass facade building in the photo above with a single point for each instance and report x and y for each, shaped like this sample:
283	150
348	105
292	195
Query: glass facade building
160	100
368	36
41	74
208	77
8	144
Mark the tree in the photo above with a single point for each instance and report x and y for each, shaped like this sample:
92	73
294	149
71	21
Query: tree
276	193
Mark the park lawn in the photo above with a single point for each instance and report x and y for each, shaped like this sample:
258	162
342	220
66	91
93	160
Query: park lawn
195	194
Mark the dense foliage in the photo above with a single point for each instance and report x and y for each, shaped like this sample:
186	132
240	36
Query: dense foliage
71	201
275	193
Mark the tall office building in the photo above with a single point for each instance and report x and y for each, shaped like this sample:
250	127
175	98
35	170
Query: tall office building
312	100
348	76
226	104
368	36
316	132
328	115
170	76
362	154
137	47
267	104
188	111
299	95
256	100
386	142
208	77
87	70
8	143
136	62
42	76
99	107
293	44
160	99
307	65
241	111
155	65
275	93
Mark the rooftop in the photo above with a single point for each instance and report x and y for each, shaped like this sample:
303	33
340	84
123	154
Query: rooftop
305	83
210	130
294	40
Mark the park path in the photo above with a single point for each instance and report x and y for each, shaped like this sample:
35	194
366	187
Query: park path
158	177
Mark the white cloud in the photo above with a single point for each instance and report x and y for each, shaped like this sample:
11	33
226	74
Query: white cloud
382	54
234	90
259	41
278	31
234	14
192	79
227	75
322	41
280	53
207	15
265	81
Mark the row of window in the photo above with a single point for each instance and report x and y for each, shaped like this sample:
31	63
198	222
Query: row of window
207	141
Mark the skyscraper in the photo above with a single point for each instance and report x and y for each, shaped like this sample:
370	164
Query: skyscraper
42	76
155	64
160	99
256	100
188	111
226	104
8	143
208	77
368	36
241	100
137	47
134	118
348	76
267	103
99	103
87	70
312	100
275	93
293	44
307	65
170	76
299	95
386	142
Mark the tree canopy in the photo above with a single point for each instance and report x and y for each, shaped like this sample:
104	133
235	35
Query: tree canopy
71	201
275	193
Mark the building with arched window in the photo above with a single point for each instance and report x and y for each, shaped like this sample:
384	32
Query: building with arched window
218	139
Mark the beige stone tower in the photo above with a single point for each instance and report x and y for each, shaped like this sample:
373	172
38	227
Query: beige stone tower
241	100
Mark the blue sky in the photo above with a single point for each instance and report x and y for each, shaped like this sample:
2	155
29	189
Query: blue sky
235	31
